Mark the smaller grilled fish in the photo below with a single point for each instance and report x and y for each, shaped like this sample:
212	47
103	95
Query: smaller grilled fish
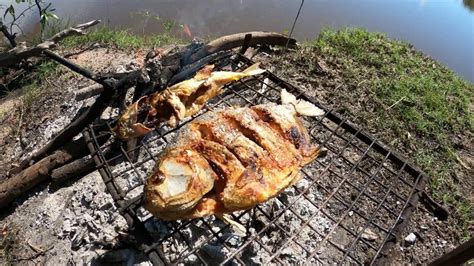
177	102
230	160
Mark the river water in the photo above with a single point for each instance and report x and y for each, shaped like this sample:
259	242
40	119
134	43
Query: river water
443	29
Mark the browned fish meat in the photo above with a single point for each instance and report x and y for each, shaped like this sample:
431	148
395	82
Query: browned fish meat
229	160
177	102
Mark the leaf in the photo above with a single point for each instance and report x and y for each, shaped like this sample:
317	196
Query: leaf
10	10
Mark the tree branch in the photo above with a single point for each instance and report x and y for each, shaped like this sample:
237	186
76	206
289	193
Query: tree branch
21	51
235	40
10	37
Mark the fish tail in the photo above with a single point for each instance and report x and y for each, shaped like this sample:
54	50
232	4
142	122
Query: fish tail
253	70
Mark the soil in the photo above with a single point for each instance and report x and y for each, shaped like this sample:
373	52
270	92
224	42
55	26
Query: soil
47	225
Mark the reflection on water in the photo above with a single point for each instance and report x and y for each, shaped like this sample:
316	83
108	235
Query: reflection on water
443	29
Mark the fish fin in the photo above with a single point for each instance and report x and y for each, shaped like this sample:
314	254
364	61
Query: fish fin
308	109
302	107
253	70
287	98
140	129
204	72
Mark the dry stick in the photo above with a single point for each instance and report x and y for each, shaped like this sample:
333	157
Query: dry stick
89	47
10	37
71	130
21	51
236	40
395	103
246	43
89	91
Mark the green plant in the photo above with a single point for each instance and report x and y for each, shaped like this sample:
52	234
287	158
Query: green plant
412	95
122	39
45	12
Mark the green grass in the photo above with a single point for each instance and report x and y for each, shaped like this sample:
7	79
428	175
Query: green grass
122	39
8	242
32	88
417	95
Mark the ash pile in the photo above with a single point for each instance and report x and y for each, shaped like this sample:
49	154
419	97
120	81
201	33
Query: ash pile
344	209
74	224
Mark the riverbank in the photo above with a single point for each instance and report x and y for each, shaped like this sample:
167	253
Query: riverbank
401	96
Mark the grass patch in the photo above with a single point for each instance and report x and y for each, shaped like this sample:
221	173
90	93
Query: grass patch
420	102
31	79
122	39
32	89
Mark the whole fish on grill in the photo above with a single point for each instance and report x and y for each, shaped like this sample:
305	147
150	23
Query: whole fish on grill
230	160
177	102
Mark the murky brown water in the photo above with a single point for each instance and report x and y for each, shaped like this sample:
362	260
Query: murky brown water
443	29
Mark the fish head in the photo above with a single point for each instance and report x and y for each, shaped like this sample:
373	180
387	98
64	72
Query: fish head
127	126
180	179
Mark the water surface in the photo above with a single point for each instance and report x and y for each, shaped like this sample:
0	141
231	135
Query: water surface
443	29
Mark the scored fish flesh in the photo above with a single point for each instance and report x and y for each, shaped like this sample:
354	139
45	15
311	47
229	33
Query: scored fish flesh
229	160
177	102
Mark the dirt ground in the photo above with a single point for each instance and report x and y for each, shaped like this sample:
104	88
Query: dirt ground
434	237
44	226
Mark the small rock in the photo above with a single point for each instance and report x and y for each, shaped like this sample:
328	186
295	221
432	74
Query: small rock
369	235
87	217
411	238
88	197
234	240
92	236
66	226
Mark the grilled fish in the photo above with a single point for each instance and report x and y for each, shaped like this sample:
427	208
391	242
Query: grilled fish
177	102
229	160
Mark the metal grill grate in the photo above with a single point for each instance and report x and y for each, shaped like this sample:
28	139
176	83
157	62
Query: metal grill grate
349	206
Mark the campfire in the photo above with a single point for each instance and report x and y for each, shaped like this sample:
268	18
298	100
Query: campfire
349	207
345	209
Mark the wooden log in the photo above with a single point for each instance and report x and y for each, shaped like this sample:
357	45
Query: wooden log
88	92
71	171
21	51
236	40
12	188
458	256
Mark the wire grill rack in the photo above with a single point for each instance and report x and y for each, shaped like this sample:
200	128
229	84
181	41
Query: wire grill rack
349	207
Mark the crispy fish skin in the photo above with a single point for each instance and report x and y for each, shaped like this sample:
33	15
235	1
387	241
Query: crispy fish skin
177	102
253	154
